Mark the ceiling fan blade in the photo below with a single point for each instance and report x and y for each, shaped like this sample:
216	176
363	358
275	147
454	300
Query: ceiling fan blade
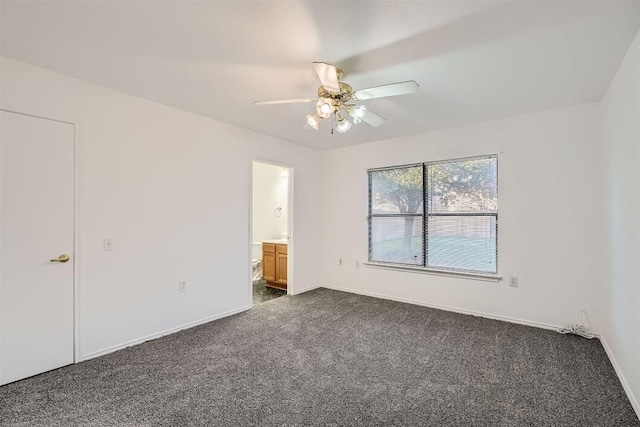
394	89
328	76
373	119
284	101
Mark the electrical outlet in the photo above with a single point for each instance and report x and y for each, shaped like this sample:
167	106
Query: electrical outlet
182	286
357	264
513	281
107	245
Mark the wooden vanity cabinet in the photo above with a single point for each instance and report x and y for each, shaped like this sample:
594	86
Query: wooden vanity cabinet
269	262
274	265
281	265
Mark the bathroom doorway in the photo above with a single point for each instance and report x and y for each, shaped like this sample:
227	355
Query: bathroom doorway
270	232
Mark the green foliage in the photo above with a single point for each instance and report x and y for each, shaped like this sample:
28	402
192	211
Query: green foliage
400	187
466	185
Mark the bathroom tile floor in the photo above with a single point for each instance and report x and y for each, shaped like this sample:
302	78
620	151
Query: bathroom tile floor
262	293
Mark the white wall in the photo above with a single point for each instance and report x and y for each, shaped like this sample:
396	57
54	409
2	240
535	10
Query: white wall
270	191
621	297
172	189
550	198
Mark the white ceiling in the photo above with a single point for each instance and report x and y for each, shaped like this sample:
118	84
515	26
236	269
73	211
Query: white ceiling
474	60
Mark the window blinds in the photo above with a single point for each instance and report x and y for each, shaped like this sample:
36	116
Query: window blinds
439	215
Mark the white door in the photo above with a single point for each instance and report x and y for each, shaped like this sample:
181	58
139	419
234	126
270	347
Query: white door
36	227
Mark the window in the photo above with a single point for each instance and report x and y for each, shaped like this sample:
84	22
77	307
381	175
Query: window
438	215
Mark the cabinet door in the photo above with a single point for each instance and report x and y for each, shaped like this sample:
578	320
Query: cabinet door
281	268
269	266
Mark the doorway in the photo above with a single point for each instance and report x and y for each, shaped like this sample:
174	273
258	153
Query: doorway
37	257
270	232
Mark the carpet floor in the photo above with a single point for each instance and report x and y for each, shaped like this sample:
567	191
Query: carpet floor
329	358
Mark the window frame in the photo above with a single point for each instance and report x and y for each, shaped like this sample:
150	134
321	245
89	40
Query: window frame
425	215
370	216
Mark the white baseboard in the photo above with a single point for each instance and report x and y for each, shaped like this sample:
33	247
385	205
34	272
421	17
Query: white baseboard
449	308
621	377
301	291
136	341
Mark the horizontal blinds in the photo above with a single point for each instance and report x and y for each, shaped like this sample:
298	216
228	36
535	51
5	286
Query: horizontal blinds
441	215
463	186
462	214
396	206
397	191
462	243
397	239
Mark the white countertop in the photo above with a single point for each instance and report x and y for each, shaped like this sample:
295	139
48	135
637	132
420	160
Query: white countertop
277	241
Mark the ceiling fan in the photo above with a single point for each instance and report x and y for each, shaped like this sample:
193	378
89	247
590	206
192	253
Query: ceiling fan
338	101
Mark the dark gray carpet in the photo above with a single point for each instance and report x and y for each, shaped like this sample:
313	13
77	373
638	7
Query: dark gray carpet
329	358
263	293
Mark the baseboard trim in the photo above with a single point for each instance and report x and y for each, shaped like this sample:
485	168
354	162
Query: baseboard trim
448	308
301	291
621	377
169	331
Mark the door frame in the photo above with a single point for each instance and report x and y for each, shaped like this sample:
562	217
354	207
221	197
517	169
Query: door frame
290	230
77	336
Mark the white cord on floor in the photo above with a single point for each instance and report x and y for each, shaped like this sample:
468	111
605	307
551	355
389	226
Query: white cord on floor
580	329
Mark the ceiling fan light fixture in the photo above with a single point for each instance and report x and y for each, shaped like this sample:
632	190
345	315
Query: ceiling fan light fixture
357	112
343	126
324	107
314	120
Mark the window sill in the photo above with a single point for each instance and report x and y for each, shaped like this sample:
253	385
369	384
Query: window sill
459	274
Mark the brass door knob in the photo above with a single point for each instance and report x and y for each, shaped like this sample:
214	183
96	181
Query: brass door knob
61	258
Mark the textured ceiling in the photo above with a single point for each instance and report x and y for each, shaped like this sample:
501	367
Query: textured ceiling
474	60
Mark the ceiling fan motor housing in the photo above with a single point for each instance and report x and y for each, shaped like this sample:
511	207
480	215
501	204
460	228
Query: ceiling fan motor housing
345	94
334	100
